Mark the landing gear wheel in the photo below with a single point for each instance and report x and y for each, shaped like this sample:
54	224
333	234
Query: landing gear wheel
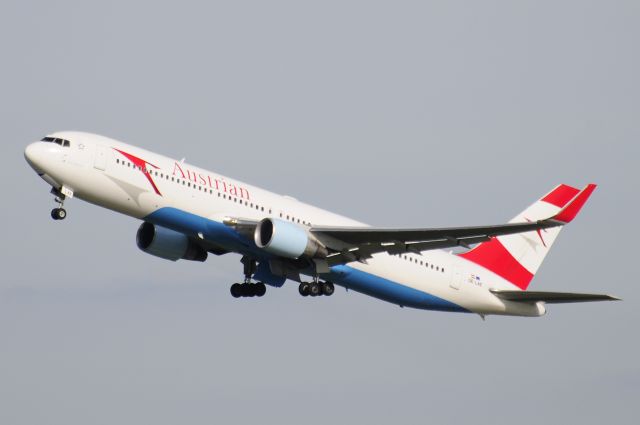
314	289
304	289
327	288
245	291
260	289
58	213
236	290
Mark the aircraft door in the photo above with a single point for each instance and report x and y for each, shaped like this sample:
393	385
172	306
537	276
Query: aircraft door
456	278
100	160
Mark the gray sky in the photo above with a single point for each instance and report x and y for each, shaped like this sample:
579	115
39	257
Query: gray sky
394	113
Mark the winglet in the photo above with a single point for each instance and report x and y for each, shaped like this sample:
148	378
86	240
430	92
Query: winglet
571	210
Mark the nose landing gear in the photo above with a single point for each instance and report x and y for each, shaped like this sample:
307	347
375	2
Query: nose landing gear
58	213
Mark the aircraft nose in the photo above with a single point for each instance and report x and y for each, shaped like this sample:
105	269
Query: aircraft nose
34	154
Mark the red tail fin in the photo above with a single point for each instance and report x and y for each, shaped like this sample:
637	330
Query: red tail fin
516	258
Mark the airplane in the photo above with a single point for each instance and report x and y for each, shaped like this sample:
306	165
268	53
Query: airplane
188	213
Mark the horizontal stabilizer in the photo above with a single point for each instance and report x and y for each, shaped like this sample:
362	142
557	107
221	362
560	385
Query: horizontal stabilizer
550	297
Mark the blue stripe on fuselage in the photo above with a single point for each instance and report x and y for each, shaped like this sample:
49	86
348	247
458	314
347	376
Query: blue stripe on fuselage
349	277
389	290
192	224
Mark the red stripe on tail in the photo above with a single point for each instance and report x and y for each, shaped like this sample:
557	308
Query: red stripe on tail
561	195
571	211
494	256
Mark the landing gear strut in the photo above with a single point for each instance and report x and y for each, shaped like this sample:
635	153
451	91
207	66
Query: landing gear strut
247	288
316	288
58	213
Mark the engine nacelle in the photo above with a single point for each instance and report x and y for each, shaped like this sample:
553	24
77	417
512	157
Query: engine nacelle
168	244
287	240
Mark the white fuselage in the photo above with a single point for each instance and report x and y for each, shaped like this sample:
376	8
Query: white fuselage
109	173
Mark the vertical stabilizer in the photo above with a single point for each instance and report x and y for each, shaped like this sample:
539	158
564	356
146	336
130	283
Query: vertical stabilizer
518	257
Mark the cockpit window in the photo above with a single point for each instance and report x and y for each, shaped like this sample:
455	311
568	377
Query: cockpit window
62	142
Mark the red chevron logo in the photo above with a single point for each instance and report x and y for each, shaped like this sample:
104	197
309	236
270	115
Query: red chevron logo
142	165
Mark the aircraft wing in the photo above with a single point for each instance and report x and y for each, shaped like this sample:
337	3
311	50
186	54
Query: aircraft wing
357	244
348	244
550	297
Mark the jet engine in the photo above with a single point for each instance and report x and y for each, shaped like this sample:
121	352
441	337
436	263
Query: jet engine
168	244
287	240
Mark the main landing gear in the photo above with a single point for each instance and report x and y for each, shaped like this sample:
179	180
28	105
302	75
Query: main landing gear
258	289
247	288
58	213
316	288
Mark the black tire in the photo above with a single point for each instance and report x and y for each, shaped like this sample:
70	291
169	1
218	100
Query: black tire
236	290
327	288
249	290
314	289
54	214
304	289
260	289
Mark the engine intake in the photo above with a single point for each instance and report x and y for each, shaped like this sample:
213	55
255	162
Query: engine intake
287	240
168	244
